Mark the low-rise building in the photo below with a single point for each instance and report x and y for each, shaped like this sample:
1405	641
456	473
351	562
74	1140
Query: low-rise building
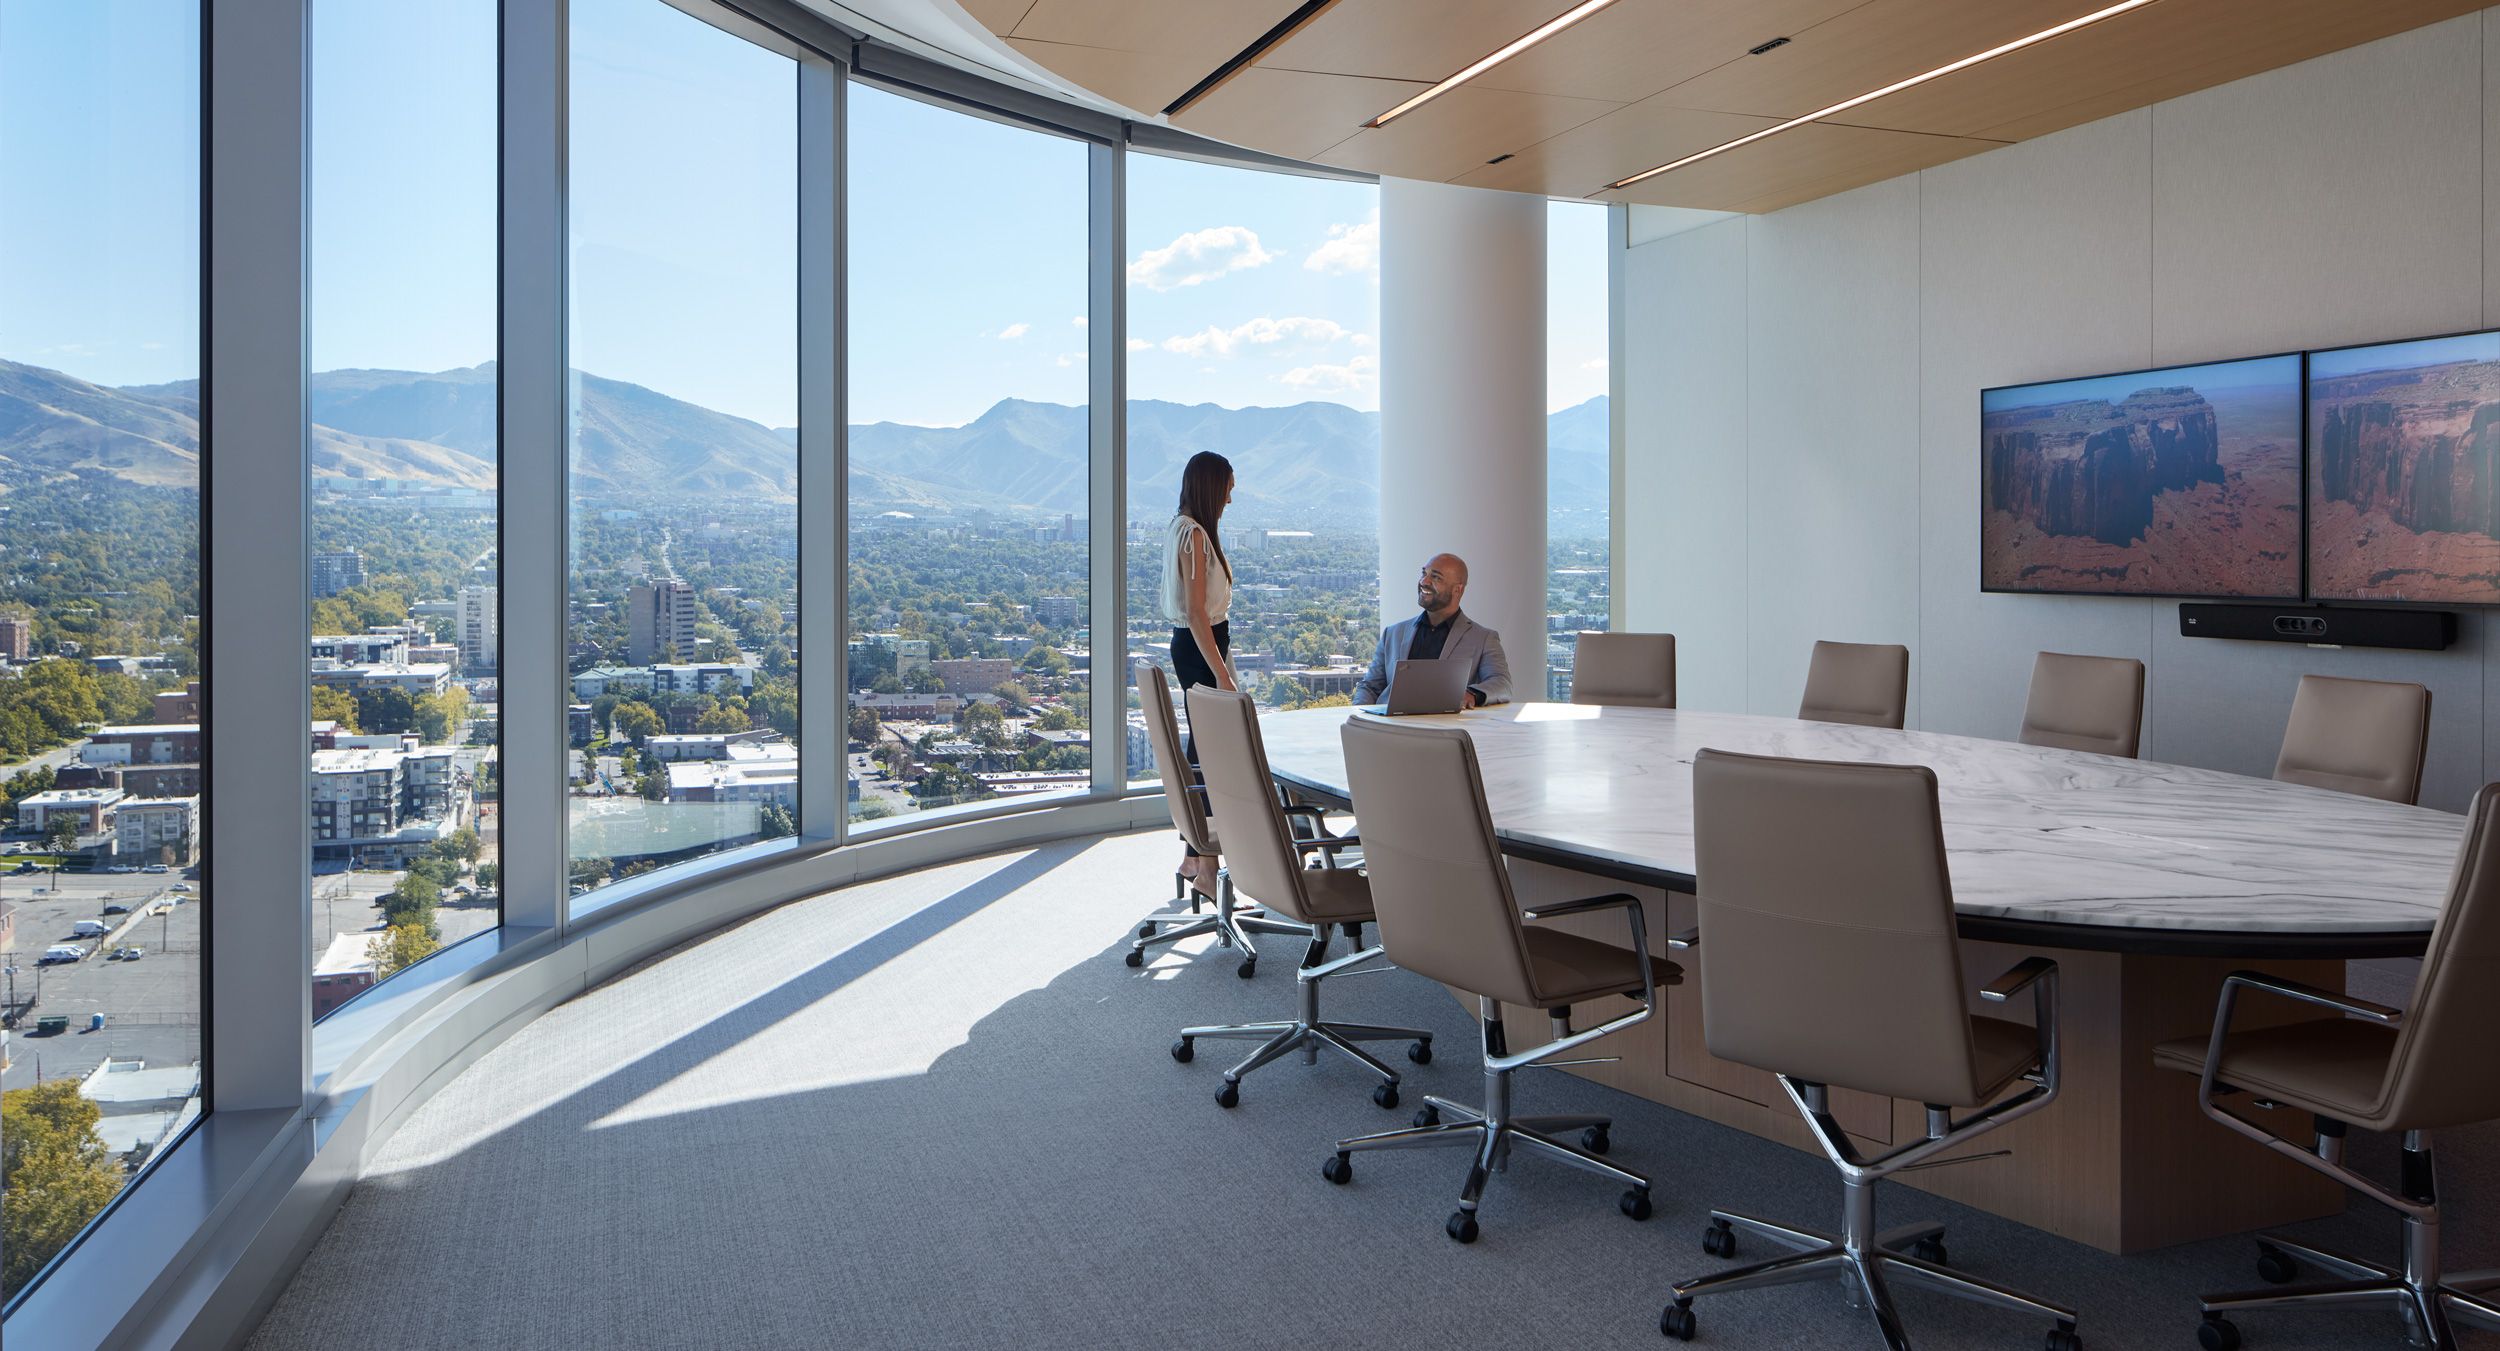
344	970
412	678
749	773
155	830
577	727
974	675
90	807
144	744
360	649
711	677
1026	782
703	745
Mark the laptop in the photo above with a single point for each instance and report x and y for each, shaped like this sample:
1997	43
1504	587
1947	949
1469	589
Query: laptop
1434	685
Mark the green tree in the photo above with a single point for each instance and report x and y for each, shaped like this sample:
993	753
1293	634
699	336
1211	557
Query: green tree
55	1175
946	785
399	947
61	830
637	721
489	875
777	822
382	709
412	901
1058	718
332	704
923	680
864	726
439	716
728	717
889	683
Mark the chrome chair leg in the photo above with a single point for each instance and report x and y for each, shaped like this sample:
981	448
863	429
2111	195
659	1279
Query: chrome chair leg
1307	1032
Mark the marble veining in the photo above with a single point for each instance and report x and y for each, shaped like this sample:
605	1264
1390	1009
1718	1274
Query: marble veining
2031	833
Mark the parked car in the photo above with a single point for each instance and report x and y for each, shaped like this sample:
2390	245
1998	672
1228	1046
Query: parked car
129	954
156	868
26	866
116	908
122	868
62	952
88	928
180	887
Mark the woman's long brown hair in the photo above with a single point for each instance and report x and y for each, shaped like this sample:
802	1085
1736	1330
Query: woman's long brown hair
1205	481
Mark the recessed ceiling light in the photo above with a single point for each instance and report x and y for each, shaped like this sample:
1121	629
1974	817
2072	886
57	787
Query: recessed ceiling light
1508	50
2085	21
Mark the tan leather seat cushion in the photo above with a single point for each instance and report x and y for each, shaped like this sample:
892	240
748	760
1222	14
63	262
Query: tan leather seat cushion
1569	968
1337	896
2000	1053
2334	1067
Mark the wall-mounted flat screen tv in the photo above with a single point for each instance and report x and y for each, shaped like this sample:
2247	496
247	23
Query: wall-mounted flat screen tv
2183	481
2404	471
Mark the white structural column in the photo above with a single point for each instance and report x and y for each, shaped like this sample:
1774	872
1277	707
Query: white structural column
1462	405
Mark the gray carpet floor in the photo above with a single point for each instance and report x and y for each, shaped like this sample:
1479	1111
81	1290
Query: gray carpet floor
937	1111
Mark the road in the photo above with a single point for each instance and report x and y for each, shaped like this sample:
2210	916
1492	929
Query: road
52	759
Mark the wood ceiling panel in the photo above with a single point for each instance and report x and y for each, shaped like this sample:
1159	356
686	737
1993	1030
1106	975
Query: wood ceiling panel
1150	51
1290	112
1870	47
1798	166
1461	130
2156	53
1580	161
1623	53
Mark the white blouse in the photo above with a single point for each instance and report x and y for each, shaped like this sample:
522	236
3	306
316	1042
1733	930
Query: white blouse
1178	569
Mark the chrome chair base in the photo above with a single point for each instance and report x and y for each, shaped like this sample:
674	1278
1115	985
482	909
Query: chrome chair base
2430	1304
1231	923
1307	1032
1860	1260
1490	1131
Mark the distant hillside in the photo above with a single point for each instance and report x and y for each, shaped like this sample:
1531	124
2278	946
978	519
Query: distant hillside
1309	462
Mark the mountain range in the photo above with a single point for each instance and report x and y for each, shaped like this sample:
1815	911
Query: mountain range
1314	462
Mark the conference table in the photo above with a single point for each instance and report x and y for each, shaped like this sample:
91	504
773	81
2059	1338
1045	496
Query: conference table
2147	883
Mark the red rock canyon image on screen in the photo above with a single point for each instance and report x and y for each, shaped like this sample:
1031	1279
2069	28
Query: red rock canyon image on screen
2180	482
2404	471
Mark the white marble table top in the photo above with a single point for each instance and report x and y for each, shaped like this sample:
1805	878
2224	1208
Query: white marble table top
2030	833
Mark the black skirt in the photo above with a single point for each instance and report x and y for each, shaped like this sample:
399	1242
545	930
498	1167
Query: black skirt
1191	665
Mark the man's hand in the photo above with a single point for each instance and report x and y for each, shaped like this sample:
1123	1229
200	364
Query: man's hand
1475	698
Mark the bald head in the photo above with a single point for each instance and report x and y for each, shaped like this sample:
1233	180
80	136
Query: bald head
1441	585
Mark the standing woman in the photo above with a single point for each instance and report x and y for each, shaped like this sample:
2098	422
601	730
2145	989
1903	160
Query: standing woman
1198	593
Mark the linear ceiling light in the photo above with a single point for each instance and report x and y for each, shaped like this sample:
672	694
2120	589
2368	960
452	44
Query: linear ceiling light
1543	31
1914	81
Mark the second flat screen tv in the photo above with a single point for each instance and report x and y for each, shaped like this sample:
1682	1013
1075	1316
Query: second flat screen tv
2183	481
2404	471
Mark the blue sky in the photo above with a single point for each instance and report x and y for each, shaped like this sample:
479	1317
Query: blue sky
2399	355
967	237
2281	371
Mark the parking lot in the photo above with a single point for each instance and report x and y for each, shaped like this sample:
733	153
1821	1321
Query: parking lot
151	1006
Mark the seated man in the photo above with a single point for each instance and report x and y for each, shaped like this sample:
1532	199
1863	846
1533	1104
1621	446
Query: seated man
1440	631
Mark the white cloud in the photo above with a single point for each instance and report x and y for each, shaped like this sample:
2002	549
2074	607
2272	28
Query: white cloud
1140	345
1013	331
1199	256
1357	376
1071	359
1594	364
1300	330
1350	248
1079	321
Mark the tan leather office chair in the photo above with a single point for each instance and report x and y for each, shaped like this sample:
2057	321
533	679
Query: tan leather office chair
1231	923
1627	670
2416	1071
2365	737
2091	704
1266	860
1829	957
1447	912
1867	684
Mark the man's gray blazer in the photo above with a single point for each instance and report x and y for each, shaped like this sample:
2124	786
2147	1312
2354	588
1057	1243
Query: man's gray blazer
1469	641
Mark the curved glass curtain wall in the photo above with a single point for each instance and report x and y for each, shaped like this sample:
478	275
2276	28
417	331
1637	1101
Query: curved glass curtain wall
970	462
404	602
1578	436
100	600
1253	317
684	604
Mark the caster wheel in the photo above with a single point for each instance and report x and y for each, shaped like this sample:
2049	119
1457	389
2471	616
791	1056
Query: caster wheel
1249	967
1676	1323
1145	931
1386	1095
1339	1169
1354	935
1430	1116
1228	1096
1930	1250
1719	1240
2275	1266
1420	1052
2063	1338
1634	1202
1462	1226
1595	1140
1184	1050
2218	1334
1135	957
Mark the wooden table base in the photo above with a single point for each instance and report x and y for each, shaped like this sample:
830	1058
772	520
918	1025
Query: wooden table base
2123	1160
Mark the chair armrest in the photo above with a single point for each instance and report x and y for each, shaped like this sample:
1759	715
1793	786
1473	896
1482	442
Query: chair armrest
2310	994
1332	842
1582	907
1312	810
1690	938
2016	979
